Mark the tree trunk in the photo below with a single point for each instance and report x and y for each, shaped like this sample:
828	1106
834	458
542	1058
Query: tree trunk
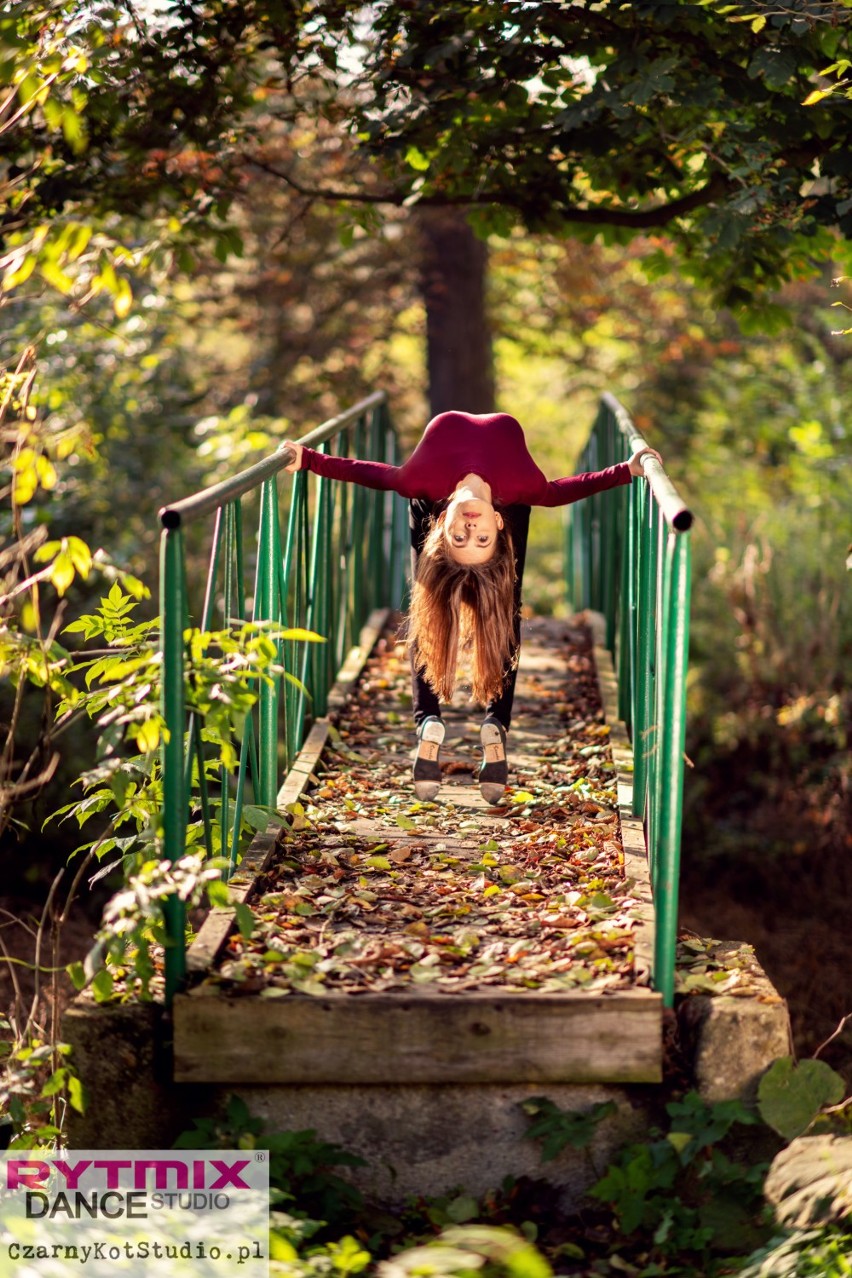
458	337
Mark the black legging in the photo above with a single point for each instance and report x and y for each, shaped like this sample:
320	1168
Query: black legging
425	699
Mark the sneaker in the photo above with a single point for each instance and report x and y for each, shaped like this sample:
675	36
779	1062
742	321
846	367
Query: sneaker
427	769
494	771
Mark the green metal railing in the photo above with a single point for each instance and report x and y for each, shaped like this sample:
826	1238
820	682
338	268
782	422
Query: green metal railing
342	555
628	557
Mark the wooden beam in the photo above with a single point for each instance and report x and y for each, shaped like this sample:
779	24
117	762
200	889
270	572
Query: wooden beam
418	1038
632	829
219	923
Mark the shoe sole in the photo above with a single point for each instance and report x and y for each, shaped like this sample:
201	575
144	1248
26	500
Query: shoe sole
427	770
494	773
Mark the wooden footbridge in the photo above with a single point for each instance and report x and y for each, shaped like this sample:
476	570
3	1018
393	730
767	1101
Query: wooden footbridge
451	947
373	937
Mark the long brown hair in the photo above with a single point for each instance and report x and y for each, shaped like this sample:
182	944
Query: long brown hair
468	607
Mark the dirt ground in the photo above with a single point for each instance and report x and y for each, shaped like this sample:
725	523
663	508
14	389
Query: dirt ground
19	921
804	948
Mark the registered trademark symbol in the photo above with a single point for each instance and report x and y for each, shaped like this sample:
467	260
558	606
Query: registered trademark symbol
260	1156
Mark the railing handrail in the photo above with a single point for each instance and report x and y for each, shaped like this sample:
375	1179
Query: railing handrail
207	500
672	506
629	559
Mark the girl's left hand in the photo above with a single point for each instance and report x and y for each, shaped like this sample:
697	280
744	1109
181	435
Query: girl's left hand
296	449
635	463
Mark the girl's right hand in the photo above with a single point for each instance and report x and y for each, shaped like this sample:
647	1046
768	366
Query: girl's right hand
296	463
635	462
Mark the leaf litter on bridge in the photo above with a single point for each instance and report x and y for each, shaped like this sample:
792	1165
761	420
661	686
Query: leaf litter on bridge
375	891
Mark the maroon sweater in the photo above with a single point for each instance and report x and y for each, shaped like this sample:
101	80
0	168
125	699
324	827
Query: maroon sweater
457	444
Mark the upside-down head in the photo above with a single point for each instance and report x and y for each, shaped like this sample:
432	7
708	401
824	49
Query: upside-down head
463	607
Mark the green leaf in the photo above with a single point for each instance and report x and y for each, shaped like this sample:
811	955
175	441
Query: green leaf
103	986
462	1209
790	1096
76	1094
55	1083
19	270
148	735
255	817
415	159
298	634
54	275
218	894
74	130
245	920
557	1128
510	873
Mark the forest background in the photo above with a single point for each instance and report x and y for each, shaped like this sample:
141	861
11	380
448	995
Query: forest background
225	223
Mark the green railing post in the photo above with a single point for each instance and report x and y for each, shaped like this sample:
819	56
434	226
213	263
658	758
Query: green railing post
318	611
643	696
175	799
267	607
671	748
294	613
626	660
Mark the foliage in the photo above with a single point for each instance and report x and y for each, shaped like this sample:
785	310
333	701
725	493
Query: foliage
614	120
680	1189
312	1204
121	694
683	1201
294	1254
810	1253
300	1165
557	1128
641	116
122	961
791	1095
118	689
37	1082
468	1250
102	109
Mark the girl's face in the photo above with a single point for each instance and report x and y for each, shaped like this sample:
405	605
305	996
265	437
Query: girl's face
471	528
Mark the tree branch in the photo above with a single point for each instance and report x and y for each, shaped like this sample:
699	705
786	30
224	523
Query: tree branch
638	219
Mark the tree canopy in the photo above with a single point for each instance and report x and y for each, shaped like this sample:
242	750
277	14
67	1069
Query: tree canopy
725	126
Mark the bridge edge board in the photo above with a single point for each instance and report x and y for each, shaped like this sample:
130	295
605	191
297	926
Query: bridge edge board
220	922
632	830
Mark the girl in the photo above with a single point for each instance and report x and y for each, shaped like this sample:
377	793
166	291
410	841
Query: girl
470	483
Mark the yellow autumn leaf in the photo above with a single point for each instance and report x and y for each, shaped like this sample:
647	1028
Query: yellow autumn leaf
46	471
26	480
61	572
123	299
148	735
